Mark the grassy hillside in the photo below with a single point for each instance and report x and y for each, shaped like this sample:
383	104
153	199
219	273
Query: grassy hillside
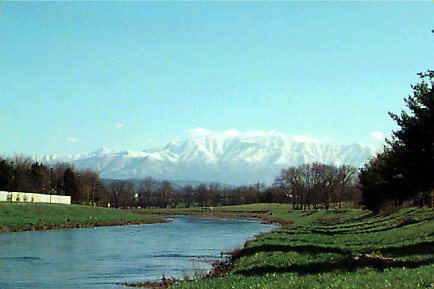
324	250
33	216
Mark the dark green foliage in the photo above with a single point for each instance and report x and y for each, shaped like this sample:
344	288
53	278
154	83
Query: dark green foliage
405	168
70	185
38	177
415	139
383	180
6	172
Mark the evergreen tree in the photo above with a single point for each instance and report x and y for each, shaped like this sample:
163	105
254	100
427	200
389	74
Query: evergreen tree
382	180
405	168
415	139
38	176
6	172
70	185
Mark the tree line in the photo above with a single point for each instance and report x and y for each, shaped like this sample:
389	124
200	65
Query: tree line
315	185
22	174
305	186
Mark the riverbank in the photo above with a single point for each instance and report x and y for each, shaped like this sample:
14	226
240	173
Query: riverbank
282	214
347	248
332	249
16	217
366	251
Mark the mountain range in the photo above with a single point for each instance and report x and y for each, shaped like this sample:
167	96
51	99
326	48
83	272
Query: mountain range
228	158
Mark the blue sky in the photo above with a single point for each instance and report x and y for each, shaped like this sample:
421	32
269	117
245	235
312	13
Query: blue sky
77	76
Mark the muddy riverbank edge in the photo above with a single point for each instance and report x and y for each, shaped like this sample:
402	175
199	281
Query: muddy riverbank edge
73	225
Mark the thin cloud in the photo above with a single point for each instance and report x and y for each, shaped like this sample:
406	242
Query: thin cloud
233	133
199	132
120	125
328	139
377	135
300	138
71	139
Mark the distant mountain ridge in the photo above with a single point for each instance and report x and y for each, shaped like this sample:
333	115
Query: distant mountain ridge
229	158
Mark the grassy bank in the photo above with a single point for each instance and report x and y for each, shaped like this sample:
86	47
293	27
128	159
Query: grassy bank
279	213
330	249
33	216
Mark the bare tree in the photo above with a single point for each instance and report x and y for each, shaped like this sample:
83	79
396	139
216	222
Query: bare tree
164	194
345	179
310	184
21	181
202	195
90	189
326	182
292	182
145	192
121	193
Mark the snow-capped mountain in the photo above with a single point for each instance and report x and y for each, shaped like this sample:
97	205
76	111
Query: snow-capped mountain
230	158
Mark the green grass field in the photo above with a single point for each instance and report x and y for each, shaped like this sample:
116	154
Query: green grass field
280	213
332	249
33	216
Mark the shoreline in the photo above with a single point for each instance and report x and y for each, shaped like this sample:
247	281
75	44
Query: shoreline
75	225
217	215
19	217
219	267
311	242
43	224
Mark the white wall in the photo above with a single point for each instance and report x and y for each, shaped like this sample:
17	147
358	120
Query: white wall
18	197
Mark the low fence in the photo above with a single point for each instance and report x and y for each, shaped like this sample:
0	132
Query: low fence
19	197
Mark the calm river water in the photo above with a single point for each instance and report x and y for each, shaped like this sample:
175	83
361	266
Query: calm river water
102	257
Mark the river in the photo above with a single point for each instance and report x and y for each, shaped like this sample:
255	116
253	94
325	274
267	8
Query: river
102	257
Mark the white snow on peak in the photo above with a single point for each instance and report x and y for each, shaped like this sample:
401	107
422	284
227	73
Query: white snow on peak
230	157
